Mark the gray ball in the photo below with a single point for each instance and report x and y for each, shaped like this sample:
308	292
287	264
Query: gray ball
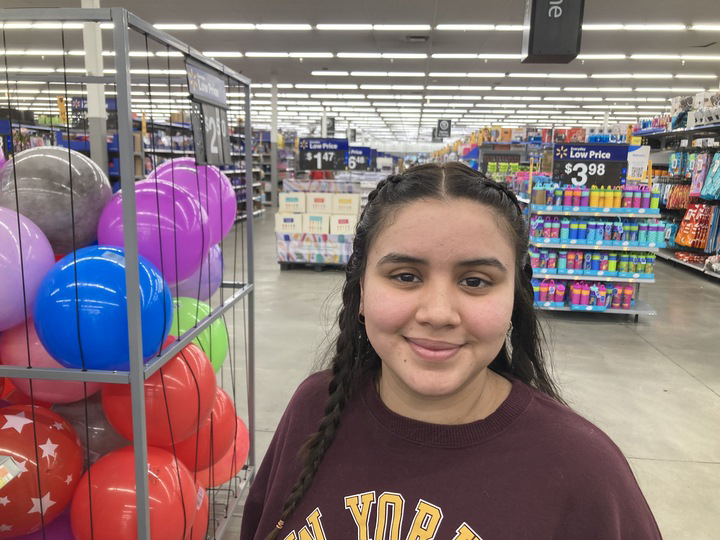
42	176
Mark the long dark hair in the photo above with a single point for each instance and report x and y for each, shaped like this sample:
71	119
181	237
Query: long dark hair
353	354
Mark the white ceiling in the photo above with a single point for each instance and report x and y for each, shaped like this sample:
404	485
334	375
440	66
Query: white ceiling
512	93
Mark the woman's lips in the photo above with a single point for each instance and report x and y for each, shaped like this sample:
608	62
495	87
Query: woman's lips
433	350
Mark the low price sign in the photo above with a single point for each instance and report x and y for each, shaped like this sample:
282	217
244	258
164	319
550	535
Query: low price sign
209	116
359	158
588	165
323	154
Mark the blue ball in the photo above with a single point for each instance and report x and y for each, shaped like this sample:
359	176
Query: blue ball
81	309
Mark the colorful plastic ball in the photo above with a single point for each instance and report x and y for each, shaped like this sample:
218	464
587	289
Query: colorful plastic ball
14	352
213	340
210	443
206	280
178	399
44	177
84	323
173	230
111	498
42	443
16	300
209	185
200	526
233	460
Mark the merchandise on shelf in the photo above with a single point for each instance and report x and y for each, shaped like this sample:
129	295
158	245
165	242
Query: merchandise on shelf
583	295
596	198
695	227
638	265
314	248
322	186
598	232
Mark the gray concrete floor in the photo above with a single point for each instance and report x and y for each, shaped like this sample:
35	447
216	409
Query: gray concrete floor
654	386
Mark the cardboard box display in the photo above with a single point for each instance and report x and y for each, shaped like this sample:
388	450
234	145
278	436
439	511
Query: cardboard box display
706	99
346	204
343	224
316	223
292	203
288	223
319	203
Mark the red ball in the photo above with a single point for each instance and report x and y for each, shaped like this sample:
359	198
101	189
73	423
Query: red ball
172	497
184	401
212	440
58	463
233	460
200	526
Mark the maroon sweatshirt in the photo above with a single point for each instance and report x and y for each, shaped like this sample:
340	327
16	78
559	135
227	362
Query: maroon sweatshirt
533	469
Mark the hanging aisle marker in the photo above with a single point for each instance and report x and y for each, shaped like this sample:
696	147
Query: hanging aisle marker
209	116
587	165
359	158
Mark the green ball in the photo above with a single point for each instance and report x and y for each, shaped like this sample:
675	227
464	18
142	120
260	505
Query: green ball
213	340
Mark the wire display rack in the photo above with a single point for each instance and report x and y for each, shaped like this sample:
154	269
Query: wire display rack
143	76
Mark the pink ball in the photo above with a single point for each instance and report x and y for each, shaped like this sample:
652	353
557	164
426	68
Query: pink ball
209	185
37	259
14	352
173	230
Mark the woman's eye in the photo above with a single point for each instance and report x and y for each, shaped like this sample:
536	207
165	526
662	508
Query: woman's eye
474	282
406	278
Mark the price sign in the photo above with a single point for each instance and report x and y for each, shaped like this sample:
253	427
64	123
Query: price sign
323	154
210	133
590	165
359	158
209	116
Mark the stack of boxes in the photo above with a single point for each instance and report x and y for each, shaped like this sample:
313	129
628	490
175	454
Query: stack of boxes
316	227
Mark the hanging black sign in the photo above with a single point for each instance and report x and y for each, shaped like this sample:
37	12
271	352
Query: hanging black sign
444	128
323	154
552	31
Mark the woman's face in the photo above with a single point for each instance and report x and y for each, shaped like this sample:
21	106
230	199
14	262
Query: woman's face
437	296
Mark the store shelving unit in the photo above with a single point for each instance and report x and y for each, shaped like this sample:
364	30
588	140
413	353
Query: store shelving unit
662	142
234	294
640	307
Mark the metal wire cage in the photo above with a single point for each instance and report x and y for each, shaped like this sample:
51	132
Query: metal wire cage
170	397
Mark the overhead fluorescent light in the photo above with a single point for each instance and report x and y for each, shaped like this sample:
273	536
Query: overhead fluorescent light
402	27
344	27
501	56
406	74
324	73
656	27
691	76
592	27
611	76
369	73
601	56
408	87
706	27
567	76
486	75
652	76
283	27
169	53
176	26
267	54
702	57
447	74
655	56
529	75
404	55
466	27
358	55
227	26
544	88
223	54
311	55
455	56
509	27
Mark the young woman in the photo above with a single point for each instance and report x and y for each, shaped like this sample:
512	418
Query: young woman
437	417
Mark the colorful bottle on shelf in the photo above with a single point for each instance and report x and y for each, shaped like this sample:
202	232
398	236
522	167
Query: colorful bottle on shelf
604	262
655	199
594	196
567	197
584	197
612	262
617	294
582	231
584	294
552	260
595	262
627	296
617	197
637	199
558	201
543	291
575	293
645	202
560	293
562	261
565	229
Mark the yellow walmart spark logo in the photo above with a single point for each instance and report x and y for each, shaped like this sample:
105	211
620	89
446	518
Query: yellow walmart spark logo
561	152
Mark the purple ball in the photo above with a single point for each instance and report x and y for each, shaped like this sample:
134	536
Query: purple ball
173	230
209	185
203	283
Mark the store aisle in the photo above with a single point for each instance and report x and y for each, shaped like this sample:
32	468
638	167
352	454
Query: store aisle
652	386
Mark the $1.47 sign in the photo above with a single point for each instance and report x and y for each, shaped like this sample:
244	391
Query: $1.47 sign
323	154
590	165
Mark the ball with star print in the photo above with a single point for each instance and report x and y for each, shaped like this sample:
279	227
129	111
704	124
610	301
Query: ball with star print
45	469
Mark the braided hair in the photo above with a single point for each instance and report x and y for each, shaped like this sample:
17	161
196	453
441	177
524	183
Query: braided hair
353	355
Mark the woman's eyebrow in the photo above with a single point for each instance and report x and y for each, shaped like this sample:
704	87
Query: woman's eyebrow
399	258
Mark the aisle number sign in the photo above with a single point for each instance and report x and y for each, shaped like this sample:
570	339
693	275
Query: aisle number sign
323	154
359	158
588	165
208	114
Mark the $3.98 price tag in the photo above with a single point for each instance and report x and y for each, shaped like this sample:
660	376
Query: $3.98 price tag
587	174
579	172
